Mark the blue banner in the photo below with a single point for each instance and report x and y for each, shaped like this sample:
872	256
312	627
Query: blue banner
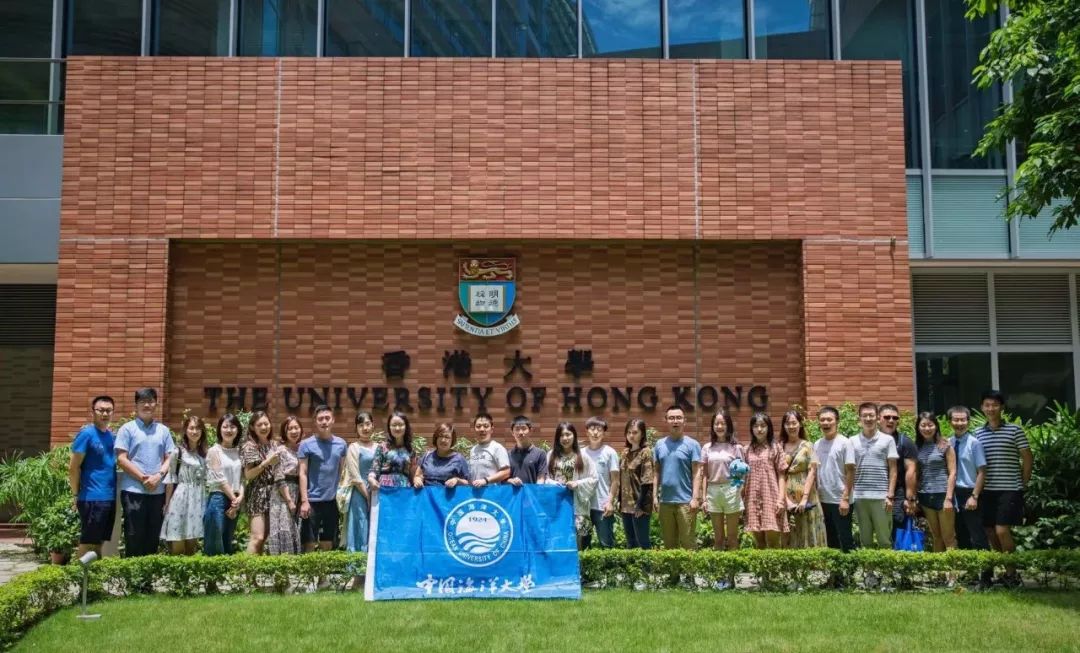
498	542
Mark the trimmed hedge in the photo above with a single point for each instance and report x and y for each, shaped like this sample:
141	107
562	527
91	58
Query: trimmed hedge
33	596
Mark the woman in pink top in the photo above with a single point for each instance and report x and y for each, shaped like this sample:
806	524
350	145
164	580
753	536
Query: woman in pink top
723	501
766	504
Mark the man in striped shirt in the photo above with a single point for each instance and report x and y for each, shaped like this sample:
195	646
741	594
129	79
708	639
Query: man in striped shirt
875	480
1008	470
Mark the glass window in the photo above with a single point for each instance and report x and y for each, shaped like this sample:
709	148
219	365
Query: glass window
365	28
885	29
706	29
958	110
103	26
791	29
278	28
630	28
191	28
944	380
24	119
1032	382
25	28
536	28
450	28
24	80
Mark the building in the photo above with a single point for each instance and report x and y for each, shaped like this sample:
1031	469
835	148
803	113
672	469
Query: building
705	203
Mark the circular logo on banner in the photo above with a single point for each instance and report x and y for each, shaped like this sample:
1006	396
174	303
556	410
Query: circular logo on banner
478	532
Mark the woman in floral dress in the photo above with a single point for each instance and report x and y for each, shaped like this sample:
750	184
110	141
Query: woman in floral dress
259	455
284	526
806	519
393	464
766	507
185	490
567	467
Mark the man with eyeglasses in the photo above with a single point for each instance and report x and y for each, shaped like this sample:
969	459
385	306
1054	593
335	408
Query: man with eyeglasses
92	477
143	447
906	483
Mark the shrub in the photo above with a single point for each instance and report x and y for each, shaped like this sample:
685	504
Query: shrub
36	485
56	529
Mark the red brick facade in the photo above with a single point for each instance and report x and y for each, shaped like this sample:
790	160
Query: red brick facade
353	184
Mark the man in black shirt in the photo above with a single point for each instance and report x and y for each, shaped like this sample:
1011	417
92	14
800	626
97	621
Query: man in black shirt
907	486
528	463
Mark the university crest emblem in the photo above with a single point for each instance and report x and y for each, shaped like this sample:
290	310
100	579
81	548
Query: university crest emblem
486	289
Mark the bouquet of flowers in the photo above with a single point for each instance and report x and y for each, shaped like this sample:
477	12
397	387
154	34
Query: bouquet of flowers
737	470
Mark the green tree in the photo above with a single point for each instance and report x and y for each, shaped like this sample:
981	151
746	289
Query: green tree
1038	49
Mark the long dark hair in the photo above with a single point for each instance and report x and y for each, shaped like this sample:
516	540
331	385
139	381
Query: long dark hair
769	437
927	415
406	440
235	421
783	425
729	433
556	449
200	446
636	424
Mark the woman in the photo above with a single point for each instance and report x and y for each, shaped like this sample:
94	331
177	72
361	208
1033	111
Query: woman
723	500
567	467
636	485
806	519
393	464
259	455
763	492
185	490
358	461
442	465
284	521
937	481
224	473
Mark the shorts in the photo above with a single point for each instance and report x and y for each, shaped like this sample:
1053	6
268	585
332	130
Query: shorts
96	520
723	498
322	524
1002	507
932	500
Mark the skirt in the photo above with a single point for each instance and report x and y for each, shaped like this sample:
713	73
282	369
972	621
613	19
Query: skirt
284	535
184	519
356	523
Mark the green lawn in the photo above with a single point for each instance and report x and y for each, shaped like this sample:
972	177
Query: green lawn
612	620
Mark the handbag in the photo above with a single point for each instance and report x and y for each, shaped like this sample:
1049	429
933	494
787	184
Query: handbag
909	538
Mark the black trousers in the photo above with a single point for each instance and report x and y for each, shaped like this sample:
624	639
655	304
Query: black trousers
143	515
837	528
969	527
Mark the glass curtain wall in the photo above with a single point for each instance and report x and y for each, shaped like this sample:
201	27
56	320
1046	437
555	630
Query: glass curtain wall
536	28
706	29
103	27
191	28
278	28
365	28
792	29
25	43
450	28
626	29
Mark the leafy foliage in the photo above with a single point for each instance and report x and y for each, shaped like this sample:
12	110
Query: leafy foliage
1038	49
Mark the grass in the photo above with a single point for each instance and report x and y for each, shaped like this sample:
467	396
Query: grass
610	620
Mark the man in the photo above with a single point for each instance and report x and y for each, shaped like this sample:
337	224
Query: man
321	457
528	463
678	459
92	477
143	447
875	480
834	463
1008	470
907	485
970	479
488	460
606	461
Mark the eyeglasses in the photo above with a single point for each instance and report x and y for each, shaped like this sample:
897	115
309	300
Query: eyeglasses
103	411
890	418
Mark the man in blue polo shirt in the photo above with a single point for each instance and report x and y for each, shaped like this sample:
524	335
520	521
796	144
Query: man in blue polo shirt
678	459
92	477
970	478
143	447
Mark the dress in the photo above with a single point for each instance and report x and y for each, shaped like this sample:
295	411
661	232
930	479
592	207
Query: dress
766	464
566	471
184	518
392	467
257	495
358	462
807	528
284	530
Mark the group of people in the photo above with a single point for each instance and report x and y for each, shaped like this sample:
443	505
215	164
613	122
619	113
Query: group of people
781	488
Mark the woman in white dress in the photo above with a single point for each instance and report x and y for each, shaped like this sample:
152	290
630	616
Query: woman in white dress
185	490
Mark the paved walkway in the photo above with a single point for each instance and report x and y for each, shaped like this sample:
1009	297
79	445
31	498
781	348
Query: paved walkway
15	559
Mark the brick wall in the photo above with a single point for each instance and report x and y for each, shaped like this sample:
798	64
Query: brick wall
533	156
